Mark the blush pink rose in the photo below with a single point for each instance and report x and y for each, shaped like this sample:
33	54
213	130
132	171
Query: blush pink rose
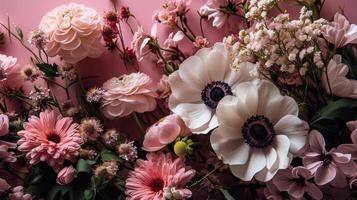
340	32
164	132
66	175
74	32
124	95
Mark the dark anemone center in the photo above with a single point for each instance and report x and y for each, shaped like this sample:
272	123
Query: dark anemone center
157	185
258	131
326	158
214	92
53	137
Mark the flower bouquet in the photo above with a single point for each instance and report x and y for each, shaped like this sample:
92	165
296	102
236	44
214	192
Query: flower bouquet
268	110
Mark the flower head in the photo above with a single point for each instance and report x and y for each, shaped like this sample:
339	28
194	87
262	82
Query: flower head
110	169
10	73
73	32
259	131
51	139
219	11
128	151
38	39
18	193
140	42
173	39
90	129
201	42
95	94
295	183
129	93
125	13
336	81
66	175
200	83
327	166
164	132
340	32
110	137
158	177
5	155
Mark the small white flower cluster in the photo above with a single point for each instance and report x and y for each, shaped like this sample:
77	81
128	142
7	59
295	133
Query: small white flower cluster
289	45
258	9
38	94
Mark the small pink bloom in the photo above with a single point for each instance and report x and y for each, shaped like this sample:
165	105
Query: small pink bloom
327	166
50	139
5	155
159	177
124	95
141	40
351	148
219	11
17	193
291	79
3	185
201	42
164	132
10	73
66	175
173	39
165	17
295	182
340	32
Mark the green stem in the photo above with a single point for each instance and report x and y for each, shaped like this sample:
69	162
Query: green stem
206	176
137	121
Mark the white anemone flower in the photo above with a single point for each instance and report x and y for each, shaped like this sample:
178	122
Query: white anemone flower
337	83
259	131
201	82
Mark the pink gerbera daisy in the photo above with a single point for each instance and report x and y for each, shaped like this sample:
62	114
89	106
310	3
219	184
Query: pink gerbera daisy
159	177
51	139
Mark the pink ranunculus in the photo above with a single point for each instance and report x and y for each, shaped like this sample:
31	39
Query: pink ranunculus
124	95
327	166
295	182
340	32
164	132
74	32
66	175
141	40
3	185
50	139
159	177
10	73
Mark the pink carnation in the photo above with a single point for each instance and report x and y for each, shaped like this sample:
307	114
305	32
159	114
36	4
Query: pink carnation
340	32
164	132
124	95
327	166
10	73
159	177
66	175
51	139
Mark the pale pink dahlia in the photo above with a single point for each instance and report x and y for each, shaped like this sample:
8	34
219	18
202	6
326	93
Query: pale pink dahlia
51	139
159	177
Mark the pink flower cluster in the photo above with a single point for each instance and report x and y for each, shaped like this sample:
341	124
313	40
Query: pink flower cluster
172	10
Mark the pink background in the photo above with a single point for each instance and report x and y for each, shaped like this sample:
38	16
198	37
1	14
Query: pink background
28	13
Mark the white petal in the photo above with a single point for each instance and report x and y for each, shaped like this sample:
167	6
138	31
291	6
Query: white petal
256	163
248	94
231	111
193	72
216	64
224	133
281	145
271	156
183	91
234	77
265	175
194	115
277	107
233	152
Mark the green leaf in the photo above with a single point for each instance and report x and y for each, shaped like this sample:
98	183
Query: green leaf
58	191
340	109
48	69
226	194
109	156
83	166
